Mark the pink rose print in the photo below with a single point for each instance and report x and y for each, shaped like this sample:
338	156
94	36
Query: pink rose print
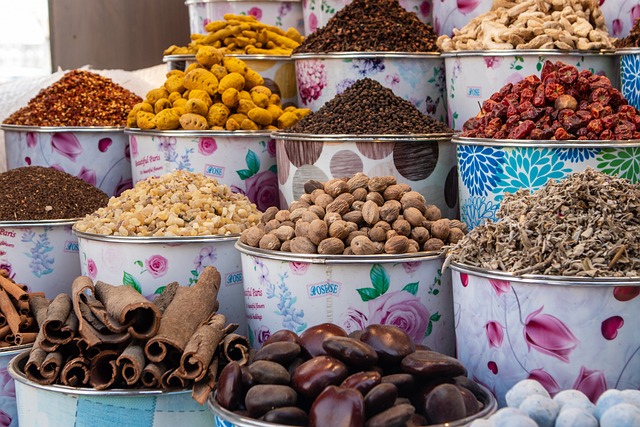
549	335
255	11
354	320
271	147
5	419
547	381
401	309
262	334
299	268
27	160
262	189
7	384
411	267
492	62
104	144
591	383
616	28
312	78
157	265
87	175
66	144
425	8
500	286
635	13
32	139
92	269
207	146
313	22
122	185
626	293
610	326
495	333
493	367
467	6
133	146
464	278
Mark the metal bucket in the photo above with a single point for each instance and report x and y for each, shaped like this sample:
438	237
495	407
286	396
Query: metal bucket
295	291
489	168
416	77
60	406
243	160
98	155
148	264
8	409
565	332
425	162
40	254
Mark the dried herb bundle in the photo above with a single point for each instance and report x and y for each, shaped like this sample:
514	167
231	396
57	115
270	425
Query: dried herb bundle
585	225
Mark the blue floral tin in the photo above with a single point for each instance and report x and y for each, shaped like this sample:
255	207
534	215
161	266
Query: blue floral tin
630	75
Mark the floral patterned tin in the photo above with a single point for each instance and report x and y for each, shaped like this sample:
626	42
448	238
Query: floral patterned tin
416	77
425	162
295	291
630	74
8	409
61	406
620	15
278	71
317	13
100	156
42	255
565	332
283	14
243	160
489	168
450	14
473	76
148	264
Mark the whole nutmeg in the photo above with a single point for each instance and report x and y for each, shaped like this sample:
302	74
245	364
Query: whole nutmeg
302	229
269	214
335	187
308	216
391	233
440	229
331	217
433	244
347	251
455	235
378	247
377	234
357	205
317	210
354	216
402	227
362	245
312	185
413	246
396	245
413	199
384	224
354	234
315	193
352	226
432	213
271	225
406	187
270	242
338	229
346	197
284	232
317	232
455	223
338	206
358	180
420	235
360	194
377	184
297	204
302	245
390	210
393	192
296	214
285	246
254	234
323	200
370	212
376	197
413	216
283	215
306	198
391	180
331	246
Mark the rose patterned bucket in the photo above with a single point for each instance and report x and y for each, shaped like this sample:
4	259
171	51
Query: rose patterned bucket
243	160
278	71
425	162
61	406
100	156
416	77
148	264
43	255
295	291
317	13
489	168
565	332
8	409
630	74
283	14
473	76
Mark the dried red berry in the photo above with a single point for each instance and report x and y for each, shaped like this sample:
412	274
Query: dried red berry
596	109
538	97
607	134
561	134
595	126
600	95
627	111
552	91
568	74
547	68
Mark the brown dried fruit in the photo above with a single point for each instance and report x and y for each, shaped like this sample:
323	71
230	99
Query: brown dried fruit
346	197
306	198
331	246
413	244
308	216
352	226
358	180
348	251
402	227
270	242
357	205
323	200
393	192
432	213
433	244
370	212
377	184
254	234
338	206
406	187
312	185
360	194
390	210
284	232
335	187
413	216
339	229
455	235
354	216
302	245
456	223
271	225
315	193
353	234
413	199
318	230
376	197
331	217
377	234
362	245
296	214
317	210
269	214
440	229
285	246
391	233
396	245
297	204
302	229
283	215
420	235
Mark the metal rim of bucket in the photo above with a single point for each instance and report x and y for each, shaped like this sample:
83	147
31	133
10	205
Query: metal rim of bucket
571	143
528	52
337	259
243	56
155	240
14	350
366	55
288	136
54	129
489	401
537	279
190	2
16	367
199	133
37	223
627	51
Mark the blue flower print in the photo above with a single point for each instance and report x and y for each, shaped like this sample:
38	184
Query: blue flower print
479	167
368	67
576	155
474	211
630	78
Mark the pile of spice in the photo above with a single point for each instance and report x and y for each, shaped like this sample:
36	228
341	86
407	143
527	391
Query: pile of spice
34	193
562	104
633	39
368	108
17	323
585	225
371	26
79	98
180	203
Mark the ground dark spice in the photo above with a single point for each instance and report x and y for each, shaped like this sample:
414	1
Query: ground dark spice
633	39
35	193
372	26
79	98
368	108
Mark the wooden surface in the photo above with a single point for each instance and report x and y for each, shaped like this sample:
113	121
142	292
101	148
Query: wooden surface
115	34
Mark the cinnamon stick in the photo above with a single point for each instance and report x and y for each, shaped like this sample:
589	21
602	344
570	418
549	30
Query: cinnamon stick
151	376
201	347
163	300
103	371
13	289
42	367
131	362
39	307
235	348
172	380
75	372
202	389
57	328
9	311
4	331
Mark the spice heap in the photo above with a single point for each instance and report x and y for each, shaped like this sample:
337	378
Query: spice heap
242	34
584	225
17	322
368	108
79	98
533	24
34	193
562	104
633	39
217	93
180	203
107	336
356	216
375	377
371	26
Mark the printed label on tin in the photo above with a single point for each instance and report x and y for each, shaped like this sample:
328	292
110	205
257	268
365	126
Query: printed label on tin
323	289
70	246
215	171
147	167
233	279
474	92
